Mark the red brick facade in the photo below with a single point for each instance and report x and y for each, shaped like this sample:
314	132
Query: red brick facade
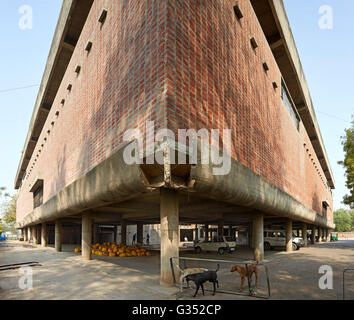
182	64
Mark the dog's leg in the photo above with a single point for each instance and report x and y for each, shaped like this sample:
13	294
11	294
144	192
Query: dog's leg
217	283
202	288
214	284
256	273
196	290
242	283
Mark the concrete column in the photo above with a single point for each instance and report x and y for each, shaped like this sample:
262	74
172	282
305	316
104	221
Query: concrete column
25	235
86	236
196	233
44	235
169	216
319	234
288	235
327	235
221	228
115	234
95	236
258	237
313	235
123	230
304	233
139	233
29	234
58	229
35	236
206	231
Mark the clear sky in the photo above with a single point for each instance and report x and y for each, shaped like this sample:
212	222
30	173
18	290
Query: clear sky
327	56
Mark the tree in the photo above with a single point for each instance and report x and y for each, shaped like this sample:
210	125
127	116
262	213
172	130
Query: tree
343	220
348	164
3	193
8	213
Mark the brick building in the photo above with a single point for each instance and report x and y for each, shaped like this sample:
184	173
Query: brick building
201	64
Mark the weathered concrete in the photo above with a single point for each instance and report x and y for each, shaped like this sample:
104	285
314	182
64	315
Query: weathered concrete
221	228
169	214
35	234
110	181
288	235
313	235
139	233
29	234
206	231
58	230
319	238
25	234
86	236
258	237
243	187
123	228
327	235
304	233
95	233
115	233
44	235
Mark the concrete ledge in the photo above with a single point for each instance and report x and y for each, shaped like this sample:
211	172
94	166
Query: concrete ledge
245	188
112	181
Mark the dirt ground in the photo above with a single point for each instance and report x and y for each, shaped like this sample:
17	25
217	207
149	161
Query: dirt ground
64	275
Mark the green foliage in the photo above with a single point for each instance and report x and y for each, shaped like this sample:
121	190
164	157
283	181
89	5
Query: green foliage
348	164
344	220
7	211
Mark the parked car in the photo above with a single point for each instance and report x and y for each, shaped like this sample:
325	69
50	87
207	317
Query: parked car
220	244
276	238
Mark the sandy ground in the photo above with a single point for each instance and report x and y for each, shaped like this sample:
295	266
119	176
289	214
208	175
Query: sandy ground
64	275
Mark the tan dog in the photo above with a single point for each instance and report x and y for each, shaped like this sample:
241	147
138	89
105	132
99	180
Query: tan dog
252	269
188	271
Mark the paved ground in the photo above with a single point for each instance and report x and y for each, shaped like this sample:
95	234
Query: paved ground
64	275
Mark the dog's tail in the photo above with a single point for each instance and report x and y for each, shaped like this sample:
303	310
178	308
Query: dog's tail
217	269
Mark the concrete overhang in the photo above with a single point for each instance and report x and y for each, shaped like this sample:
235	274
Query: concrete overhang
72	18
107	188
275	24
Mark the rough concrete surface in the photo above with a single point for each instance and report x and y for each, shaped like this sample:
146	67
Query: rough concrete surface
293	275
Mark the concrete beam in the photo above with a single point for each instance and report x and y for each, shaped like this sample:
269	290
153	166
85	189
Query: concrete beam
169	207
86	236
258	237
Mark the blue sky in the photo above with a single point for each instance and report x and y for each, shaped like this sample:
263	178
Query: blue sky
327	57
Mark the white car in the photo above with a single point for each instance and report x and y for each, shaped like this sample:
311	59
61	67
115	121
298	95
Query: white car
276	238
221	244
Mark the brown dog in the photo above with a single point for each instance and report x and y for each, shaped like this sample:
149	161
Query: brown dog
252	269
